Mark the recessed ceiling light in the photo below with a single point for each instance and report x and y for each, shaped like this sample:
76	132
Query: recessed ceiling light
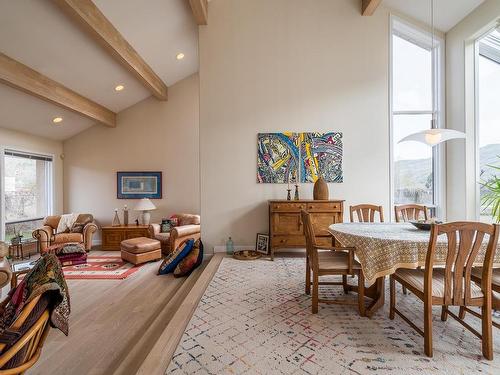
57	120
180	56
119	88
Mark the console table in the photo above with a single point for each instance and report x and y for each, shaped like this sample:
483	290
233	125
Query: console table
285	225
113	236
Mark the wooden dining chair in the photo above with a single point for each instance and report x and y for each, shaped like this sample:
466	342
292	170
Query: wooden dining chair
407	212
366	213
452	285
477	277
330	260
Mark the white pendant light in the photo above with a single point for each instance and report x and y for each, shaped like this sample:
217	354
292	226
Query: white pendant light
433	136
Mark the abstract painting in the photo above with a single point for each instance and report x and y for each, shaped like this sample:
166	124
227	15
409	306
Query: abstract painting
277	158
321	155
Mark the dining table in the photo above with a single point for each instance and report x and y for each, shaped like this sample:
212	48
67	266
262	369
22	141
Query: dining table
382	248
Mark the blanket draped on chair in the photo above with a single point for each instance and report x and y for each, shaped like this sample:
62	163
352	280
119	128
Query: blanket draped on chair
46	276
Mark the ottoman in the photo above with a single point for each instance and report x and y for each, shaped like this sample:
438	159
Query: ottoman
140	250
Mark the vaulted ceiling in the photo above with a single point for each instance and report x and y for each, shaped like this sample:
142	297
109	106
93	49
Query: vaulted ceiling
42	35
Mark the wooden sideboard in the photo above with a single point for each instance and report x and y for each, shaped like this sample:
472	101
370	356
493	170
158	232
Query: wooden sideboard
113	236
285	225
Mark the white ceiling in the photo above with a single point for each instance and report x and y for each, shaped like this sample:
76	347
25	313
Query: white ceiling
39	35
447	13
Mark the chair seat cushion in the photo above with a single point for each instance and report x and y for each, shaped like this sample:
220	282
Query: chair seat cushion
140	245
335	260
477	274
415	279
68	237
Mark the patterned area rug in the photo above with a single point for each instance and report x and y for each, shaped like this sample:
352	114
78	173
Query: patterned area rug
101	267
254	318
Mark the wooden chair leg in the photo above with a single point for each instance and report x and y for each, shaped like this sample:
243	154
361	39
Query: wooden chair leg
461	312
392	305
315	293
361	293
487	339
405	291
428	328
444	313
308	277
344	284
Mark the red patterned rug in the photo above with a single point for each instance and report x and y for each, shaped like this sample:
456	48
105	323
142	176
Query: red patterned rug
101	267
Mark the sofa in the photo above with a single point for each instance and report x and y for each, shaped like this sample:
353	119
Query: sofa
81	232
188	226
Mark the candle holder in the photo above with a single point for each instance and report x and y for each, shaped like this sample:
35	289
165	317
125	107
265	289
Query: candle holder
289	194
296	195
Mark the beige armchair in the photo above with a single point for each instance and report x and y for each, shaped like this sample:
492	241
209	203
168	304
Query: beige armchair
188	227
82	232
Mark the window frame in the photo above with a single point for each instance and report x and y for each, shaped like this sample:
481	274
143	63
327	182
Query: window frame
422	38
50	182
477	122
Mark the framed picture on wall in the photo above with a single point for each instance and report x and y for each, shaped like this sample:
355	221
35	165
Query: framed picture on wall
138	185
262	243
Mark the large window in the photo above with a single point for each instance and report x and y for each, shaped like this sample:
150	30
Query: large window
27	191
415	101
488	131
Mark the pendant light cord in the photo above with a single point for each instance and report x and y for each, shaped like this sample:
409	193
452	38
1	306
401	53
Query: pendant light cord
433	120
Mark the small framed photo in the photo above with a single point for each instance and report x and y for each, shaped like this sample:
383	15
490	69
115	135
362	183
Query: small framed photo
262	243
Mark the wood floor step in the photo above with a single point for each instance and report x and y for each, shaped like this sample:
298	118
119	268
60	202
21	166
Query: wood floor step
160	355
153	328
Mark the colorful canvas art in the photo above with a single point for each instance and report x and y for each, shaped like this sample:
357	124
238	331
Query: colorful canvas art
321	155
277	158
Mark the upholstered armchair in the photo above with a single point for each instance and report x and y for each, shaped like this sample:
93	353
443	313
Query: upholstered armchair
188	227
82	232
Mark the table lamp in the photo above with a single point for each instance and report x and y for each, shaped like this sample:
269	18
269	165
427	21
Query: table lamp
145	205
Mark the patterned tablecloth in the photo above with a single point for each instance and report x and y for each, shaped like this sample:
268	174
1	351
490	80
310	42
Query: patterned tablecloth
381	248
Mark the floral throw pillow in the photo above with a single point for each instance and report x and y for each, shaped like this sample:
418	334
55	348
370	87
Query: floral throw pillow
191	261
173	259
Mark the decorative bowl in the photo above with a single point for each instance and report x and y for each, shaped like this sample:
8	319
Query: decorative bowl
424	225
246	255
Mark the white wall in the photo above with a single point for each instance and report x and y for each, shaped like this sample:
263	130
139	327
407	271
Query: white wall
461	179
150	136
30	143
288	65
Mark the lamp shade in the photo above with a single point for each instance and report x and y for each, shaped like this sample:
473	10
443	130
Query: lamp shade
144	204
432	137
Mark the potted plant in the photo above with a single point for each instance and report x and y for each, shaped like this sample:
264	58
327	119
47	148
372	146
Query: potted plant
491	199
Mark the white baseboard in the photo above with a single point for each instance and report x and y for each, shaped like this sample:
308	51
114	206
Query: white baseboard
222	249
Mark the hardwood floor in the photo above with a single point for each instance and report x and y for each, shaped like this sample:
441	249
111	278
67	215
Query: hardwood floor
114	323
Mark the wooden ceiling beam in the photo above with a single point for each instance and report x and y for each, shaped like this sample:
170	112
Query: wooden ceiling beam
93	21
368	7
22	77
200	11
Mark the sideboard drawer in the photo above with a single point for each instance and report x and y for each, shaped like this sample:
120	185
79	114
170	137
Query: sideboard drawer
285	241
324	207
136	233
288	207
